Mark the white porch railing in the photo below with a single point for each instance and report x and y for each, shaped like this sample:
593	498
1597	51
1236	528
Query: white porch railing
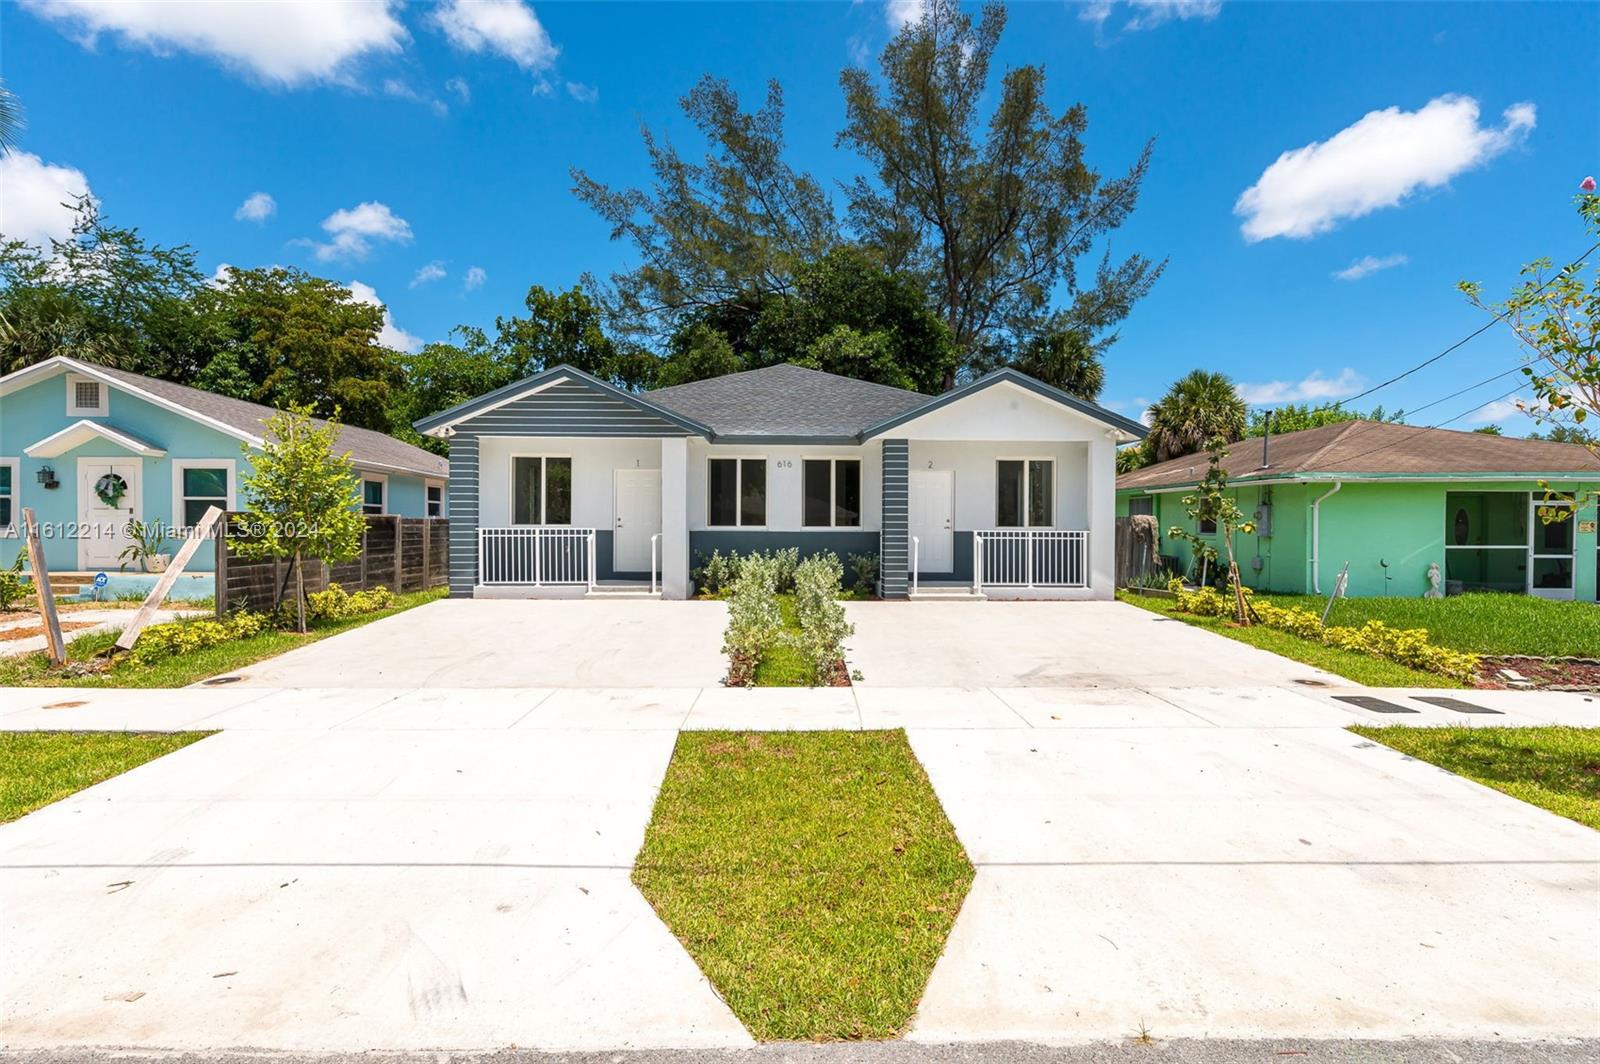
916	561
536	555
1030	557
655	554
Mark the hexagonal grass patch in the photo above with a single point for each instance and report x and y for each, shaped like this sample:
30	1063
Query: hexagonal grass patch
813	876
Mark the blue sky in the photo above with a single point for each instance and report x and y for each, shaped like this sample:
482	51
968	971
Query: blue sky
404	146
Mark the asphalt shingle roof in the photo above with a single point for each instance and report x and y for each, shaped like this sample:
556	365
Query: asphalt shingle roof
367	447
1374	447
786	400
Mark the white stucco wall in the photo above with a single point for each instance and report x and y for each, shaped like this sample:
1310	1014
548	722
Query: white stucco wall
784	480
974	466
594	466
1007	410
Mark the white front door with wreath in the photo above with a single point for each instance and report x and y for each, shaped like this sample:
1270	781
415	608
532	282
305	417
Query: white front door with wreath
108	498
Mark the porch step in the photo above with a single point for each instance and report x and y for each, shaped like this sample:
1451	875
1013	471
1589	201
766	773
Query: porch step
621	591
948	594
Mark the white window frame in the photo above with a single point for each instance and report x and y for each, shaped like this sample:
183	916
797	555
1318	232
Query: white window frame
738	488
179	498
1536	555
1027	474
361	502
544	494
12	530
427	503
833	461
74	410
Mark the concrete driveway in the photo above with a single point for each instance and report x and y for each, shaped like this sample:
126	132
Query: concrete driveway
1051	644
457	643
404	884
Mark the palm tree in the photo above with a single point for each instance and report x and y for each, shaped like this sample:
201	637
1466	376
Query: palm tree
1196	410
10	119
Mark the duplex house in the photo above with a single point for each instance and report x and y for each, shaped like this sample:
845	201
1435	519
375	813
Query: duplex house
92	448
564	484
1391	501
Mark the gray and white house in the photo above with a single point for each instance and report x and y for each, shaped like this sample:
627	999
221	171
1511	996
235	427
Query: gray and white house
562	484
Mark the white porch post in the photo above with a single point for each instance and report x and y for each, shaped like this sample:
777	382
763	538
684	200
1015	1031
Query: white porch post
1102	482
674	517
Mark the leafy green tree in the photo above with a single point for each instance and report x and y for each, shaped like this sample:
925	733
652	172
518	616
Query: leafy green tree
1489	430
697	353
730	230
1211	502
301	341
103	295
566	327
1568	434
10	119
1197	409
991	212
1062	356
300	501
1296	417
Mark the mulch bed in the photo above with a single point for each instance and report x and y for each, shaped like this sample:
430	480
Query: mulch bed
28	631
1550	674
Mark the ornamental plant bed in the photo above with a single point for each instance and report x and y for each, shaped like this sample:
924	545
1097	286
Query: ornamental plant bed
1547	674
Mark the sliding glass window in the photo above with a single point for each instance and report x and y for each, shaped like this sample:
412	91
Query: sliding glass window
832	489
541	490
736	492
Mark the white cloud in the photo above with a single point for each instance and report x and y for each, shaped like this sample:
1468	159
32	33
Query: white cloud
219	276
462	90
898	13
257	208
1368	264
474	278
859	51
1148	14
1499	410
34	196
1378	162
433	271
391	335
284	42
505	27
355	228
582	93
1313	388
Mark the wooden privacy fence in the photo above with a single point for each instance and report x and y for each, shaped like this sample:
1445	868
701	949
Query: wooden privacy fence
399	553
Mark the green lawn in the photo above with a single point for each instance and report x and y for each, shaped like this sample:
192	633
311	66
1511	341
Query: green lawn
1362	668
1483	622
33	670
37	768
812	876
783	665
1551	767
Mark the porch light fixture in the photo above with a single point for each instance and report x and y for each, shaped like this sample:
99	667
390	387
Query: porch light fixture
47	477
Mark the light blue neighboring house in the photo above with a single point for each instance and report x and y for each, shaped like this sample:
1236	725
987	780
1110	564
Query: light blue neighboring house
91	448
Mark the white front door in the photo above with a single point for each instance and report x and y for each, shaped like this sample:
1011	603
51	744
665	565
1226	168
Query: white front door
933	498
638	517
103	527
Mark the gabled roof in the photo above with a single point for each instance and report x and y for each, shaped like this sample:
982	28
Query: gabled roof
244	421
437	424
1021	380
58	443
1379	449
786	401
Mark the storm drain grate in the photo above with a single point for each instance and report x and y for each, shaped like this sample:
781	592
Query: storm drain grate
1375	705
1456	704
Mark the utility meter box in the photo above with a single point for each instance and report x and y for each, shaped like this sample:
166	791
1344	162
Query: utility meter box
1264	520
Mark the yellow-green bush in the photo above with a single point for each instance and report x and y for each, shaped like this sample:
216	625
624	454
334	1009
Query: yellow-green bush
1405	646
336	602
184	637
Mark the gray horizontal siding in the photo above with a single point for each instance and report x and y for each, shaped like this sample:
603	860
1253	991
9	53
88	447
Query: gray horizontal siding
570	408
896	560
463	491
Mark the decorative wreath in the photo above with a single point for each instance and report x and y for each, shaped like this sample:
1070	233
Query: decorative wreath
110	489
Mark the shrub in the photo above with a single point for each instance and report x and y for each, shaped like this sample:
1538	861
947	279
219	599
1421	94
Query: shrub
823	628
336	602
716	576
753	619
865	566
187	636
11	583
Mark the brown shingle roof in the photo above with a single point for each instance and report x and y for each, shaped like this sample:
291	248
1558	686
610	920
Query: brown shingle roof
1355	448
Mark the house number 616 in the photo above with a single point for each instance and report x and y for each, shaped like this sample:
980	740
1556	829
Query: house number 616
784	463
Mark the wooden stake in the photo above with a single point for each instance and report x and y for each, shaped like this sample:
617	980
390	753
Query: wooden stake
158	594
56	646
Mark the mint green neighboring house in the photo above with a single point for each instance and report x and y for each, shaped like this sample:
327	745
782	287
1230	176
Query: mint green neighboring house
91	448
1391	500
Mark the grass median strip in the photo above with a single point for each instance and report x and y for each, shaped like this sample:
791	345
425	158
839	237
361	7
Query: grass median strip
1480	622
37	768
1554	768
813	876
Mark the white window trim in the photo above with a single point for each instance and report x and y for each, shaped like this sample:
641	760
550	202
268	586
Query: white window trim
179	465
833	461
382	478
738	488
544	495
74	410
13	530
1026	474
428	485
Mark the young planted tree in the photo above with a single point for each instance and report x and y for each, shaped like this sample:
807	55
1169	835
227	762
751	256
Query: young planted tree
1211	502
300	501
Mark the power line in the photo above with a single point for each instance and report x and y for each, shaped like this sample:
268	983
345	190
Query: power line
1470	387
1480	406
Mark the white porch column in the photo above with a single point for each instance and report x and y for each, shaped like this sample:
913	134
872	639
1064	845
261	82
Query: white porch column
674	517
1102	517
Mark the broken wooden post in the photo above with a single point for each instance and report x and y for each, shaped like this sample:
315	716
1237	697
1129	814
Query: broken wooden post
152	601
54	644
